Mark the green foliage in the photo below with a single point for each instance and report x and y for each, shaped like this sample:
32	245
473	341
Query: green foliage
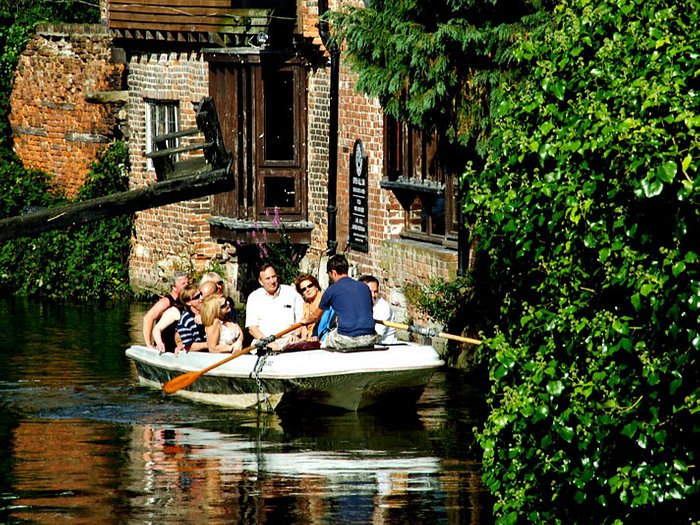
585	203
431	63
589	207
80	263
22	189
445	302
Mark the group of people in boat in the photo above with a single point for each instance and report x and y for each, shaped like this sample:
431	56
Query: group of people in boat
203	318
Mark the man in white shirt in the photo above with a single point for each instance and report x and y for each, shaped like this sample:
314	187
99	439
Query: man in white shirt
381	311
272	308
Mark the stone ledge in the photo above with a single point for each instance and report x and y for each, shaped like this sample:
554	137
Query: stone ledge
245	231
64	30
419	246
90	138
108	97
27	130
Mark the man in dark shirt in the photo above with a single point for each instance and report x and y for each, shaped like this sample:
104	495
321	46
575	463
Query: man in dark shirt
352	302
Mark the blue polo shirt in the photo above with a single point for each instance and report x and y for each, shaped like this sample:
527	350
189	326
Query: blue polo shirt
352	301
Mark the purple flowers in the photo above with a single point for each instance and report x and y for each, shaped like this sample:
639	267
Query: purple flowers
283	254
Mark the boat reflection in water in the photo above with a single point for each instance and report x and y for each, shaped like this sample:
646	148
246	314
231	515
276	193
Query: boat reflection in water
349	471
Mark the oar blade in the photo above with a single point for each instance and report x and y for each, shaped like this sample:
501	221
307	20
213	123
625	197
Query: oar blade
180	382
185	380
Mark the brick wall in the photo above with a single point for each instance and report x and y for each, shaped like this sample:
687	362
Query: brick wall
50	112
176	236
405	261
317	158
392	260
55	126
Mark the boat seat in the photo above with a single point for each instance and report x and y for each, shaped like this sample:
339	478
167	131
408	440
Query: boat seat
315	345
357	349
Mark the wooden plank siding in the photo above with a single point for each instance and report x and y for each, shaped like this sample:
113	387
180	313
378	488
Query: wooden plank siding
197	16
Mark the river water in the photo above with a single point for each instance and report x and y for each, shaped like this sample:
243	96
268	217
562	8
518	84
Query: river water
82	442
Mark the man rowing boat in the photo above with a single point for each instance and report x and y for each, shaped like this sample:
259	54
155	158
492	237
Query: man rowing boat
352	302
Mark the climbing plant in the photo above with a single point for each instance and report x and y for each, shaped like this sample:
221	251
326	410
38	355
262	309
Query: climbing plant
589	206
583	197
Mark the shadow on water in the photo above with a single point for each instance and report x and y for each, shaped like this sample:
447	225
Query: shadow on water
81	442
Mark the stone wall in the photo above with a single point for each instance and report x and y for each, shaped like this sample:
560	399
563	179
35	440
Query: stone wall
59	120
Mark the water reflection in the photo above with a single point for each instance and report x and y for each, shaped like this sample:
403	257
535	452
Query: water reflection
346	472
81	442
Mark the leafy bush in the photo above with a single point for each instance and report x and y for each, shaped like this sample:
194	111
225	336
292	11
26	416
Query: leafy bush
443	301
23	189
79	263
589	207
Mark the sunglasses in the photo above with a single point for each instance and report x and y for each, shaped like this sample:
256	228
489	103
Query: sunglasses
302	289
224	305
197	296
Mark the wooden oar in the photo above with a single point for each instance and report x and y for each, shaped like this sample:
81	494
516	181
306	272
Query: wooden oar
185	380
429	332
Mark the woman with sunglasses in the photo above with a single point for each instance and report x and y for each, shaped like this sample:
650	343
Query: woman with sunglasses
190	328
307	286
223	335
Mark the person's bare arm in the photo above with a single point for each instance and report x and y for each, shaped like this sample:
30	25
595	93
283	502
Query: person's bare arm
255	332
150	317
197	346
313	317
238	343
170	316
214	338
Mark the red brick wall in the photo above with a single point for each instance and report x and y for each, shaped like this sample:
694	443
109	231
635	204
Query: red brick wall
394	261
317	158
56	129
176	236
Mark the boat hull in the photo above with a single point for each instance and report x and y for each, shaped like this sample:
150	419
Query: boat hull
350	381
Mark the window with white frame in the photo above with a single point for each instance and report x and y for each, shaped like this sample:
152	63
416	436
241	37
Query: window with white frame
161	118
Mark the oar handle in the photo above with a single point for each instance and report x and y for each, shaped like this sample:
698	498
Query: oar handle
428	332
258	344
186	379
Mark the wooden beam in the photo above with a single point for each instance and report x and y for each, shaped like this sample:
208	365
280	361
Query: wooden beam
159	194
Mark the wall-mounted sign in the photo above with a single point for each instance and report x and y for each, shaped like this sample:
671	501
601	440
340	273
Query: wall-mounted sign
358	198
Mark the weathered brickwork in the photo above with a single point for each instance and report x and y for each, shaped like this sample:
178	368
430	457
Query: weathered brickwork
317	143
58	72
55	127
406	261
176	236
